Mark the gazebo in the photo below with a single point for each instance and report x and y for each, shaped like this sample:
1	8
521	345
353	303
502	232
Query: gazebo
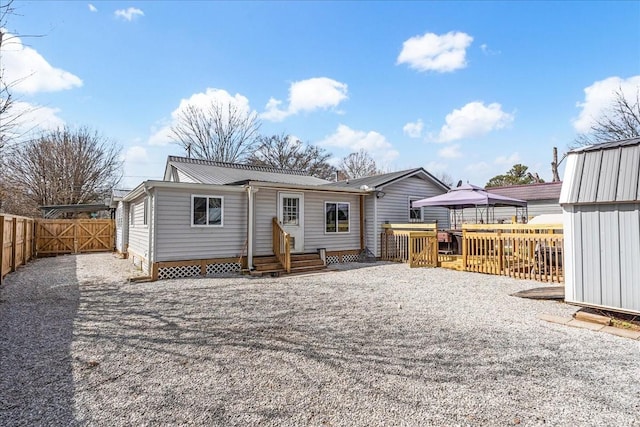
471	196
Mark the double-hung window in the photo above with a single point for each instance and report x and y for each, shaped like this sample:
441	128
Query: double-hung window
336	217
206	211
415	213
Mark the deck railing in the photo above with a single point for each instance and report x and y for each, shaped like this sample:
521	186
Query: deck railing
416	244
514	250
281	245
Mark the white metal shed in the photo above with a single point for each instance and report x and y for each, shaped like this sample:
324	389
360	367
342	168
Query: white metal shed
600	200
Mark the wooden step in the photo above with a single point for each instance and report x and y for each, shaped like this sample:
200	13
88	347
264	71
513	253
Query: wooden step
307	263
264	260
304	257
268	266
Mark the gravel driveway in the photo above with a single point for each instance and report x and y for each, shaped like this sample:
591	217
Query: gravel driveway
378	345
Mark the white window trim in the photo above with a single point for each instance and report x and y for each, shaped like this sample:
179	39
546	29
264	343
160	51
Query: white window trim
409	200
132	215
145	211
325	217
207	225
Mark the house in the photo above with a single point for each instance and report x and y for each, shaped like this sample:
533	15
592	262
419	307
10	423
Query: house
601	207
390	200
209	217
542	198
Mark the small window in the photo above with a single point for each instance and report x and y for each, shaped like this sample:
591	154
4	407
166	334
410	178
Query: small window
415	213
206	211
336	217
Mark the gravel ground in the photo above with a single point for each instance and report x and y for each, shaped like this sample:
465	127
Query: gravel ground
381	344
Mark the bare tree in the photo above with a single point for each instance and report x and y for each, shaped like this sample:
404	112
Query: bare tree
224	133
445	178
620	121
282	151
62	166
8	121
358	165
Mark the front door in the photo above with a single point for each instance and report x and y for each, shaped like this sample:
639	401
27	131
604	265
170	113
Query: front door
291	218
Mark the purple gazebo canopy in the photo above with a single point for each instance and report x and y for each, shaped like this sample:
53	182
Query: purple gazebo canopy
469	196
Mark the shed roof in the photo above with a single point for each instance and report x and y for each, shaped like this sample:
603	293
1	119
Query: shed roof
221	173
603	173
530	192
378	181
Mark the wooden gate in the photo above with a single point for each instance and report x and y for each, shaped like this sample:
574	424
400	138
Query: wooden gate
74	236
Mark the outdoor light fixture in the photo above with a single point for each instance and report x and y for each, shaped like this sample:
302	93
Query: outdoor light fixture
380	194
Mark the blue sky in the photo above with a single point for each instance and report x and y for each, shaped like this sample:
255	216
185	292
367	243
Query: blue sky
465	88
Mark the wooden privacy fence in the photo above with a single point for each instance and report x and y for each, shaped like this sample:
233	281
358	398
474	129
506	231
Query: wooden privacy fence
74	236
17	242
416	244
514	250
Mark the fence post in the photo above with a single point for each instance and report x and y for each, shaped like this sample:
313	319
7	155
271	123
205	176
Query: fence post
464	249
2	248
500	253
24	241
14	244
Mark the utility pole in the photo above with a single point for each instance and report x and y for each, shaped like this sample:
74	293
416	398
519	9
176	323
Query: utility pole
554	166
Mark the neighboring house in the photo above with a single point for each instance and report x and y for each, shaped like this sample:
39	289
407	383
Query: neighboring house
390	200
542	198
601	203
121	212
222	215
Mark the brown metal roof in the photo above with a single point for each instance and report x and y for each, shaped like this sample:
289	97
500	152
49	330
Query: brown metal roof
538	191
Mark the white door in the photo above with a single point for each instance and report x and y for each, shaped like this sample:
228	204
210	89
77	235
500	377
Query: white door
291	218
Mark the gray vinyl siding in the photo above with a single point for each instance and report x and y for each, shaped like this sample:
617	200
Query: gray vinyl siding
534	208
177	240
314	223
138	232
369	223
394	206
605	243
266	208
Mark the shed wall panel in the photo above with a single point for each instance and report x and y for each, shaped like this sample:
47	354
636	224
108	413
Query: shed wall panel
590	176
609	259
628	188
178	240
609	173
629	223
590	234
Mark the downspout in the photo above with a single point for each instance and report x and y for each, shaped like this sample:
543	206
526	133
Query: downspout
150	237
250	226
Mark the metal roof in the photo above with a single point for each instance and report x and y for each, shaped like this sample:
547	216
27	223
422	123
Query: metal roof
603	173
377	181
211	172
538	191
119	193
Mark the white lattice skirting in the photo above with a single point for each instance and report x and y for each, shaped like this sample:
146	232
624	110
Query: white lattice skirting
333	259
182	271
350	258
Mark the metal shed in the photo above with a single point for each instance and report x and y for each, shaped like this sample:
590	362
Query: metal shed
600	200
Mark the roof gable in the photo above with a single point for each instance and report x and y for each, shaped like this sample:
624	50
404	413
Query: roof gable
537	191
221	173
379	181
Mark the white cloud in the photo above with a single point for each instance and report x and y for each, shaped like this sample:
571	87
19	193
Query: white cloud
478	168
160	134
598	98
307	95
372	142
28	72
128	14
507	160
36	117
436	167
487	51
473	120
92	8
413	129
136	154
450	151
431	52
